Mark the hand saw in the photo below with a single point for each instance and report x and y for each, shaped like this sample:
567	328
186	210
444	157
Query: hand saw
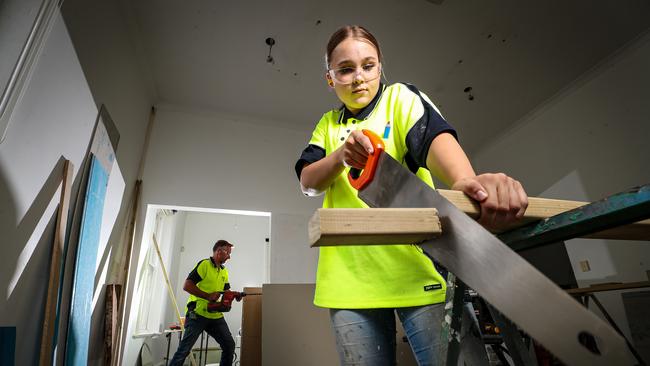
503	278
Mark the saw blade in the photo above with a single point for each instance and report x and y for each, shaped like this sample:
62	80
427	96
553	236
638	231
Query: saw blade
502	277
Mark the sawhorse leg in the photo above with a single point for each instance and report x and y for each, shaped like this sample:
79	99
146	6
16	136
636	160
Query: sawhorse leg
513	340
451	334
454	337
450	330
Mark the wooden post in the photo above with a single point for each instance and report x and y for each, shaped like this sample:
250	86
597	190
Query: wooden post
47	336
124	274
113	296
116	344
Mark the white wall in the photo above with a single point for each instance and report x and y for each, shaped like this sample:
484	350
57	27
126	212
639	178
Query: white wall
102	33
104	39
204	159
185	238
179	233
589	142
248	263
54	119
169	230
103	36
201	159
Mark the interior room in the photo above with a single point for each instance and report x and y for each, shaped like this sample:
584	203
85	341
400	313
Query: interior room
137	135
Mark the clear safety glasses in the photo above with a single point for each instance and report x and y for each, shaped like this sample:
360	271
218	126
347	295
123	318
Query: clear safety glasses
347	75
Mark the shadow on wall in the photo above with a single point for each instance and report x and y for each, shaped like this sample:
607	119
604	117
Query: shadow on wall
25	262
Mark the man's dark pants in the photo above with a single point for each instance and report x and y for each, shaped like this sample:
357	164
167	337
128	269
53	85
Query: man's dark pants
216	328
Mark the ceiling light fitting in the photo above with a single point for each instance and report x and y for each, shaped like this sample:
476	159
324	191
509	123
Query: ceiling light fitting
270	42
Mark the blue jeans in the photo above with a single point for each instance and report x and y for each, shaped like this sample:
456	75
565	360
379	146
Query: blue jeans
216	328
367	336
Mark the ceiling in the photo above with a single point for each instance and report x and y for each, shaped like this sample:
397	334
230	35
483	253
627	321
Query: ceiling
211	54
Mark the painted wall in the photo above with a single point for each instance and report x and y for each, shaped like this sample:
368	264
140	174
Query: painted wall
53	120
103	35
588	142
169	229
204	159
248	263
185	238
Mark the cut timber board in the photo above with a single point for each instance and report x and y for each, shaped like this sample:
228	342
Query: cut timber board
53	284
367	226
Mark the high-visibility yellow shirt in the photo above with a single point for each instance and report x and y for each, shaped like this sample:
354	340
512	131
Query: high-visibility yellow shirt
378	276
209	277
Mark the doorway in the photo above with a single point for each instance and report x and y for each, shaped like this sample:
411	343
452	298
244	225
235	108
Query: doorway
185	235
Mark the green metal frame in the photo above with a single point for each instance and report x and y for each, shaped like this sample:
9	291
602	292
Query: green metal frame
616	210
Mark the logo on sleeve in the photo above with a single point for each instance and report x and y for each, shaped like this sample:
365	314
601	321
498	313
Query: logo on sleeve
436	286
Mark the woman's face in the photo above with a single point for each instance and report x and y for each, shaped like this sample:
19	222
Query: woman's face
354	73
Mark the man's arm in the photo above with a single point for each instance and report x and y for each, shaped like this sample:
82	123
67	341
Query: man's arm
191	288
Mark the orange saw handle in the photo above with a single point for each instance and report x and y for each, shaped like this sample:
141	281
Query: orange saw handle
360	181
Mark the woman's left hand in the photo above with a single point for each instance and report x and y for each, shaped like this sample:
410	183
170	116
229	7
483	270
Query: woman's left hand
502	198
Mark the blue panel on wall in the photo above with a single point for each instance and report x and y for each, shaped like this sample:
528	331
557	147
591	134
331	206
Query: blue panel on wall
7	346
83	283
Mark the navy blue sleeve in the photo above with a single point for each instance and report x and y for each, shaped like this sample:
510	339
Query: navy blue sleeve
311	154
420	136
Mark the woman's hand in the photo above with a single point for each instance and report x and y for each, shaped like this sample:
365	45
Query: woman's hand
502	199
316	177
354	152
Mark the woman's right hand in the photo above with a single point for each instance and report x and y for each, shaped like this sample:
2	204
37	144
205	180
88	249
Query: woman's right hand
355	150
316	177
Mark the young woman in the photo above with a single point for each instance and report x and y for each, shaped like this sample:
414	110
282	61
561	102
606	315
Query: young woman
364	286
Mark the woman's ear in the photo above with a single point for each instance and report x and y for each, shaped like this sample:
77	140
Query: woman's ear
328	77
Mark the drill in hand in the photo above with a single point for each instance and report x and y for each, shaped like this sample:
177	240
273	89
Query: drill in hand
226	301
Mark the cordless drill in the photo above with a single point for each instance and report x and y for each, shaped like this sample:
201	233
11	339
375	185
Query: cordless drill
226	301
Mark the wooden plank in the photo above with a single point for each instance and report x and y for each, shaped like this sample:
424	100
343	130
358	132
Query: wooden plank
113	296
368	226
542	208
116	344
354	226
607	287
123	276
49	319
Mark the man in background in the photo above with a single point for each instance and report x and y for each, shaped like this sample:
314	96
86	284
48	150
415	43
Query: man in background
205	283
